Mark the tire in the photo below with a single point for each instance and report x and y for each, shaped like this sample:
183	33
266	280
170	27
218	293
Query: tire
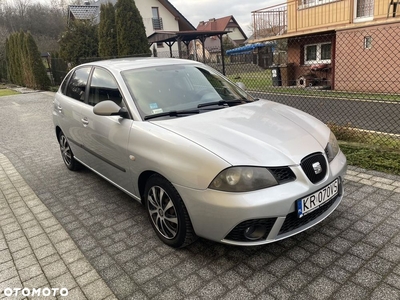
66	153
167	213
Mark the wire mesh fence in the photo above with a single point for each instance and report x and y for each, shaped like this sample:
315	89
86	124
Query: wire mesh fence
348	79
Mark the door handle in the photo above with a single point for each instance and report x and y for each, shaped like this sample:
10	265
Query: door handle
59	108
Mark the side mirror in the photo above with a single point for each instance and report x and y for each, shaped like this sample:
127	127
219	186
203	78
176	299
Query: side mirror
109	108
241	85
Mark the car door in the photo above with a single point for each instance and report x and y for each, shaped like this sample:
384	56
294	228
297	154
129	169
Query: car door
70	103
106	137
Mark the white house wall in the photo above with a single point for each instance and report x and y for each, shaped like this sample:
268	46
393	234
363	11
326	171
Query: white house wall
144	7
169	22
235	34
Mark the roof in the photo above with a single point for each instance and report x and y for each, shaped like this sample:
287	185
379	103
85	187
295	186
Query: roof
185	36
83	12
184	24
220	24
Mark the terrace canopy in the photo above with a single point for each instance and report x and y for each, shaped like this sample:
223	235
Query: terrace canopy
248	48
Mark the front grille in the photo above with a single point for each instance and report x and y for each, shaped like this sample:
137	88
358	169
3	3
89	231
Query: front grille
237	233
283	174
293	222
309	164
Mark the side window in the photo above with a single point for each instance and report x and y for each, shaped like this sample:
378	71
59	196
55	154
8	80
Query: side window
103	87
77	84
64	83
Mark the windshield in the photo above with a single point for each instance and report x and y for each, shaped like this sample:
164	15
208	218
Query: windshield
168	88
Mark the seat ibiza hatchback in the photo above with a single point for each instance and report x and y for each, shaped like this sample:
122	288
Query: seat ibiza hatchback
204	157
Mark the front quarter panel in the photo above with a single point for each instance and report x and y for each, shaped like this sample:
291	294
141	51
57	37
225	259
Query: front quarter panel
179	160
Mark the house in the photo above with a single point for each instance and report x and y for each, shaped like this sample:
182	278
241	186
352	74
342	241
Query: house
235	36
157	15
349	45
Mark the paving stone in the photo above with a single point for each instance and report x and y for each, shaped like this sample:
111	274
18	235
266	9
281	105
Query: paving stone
63	281
22	253
322	287
391	253
79	267
87	278
350	291
238	293
5	256
96	290
122	286
39	241
8	274
30	272
212	290
45	251
18	244
55	269
367	278
259	281
146	274
74	294
25	261
385	292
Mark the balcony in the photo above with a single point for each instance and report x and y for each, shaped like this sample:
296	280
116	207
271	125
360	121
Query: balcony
306	16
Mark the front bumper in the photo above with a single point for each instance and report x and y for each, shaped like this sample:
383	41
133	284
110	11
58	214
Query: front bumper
215	214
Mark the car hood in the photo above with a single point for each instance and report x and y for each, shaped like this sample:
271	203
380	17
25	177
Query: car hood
261	133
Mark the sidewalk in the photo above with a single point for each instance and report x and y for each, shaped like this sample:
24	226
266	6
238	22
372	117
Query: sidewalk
35	250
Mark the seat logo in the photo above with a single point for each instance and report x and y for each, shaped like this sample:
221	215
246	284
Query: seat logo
317	168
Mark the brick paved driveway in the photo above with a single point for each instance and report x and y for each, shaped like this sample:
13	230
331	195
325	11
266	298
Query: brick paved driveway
354	254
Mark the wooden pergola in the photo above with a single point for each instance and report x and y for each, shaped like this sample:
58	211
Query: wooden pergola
171	37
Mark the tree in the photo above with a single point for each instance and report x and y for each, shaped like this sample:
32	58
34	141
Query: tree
80	40
24	64
107	31
227	43
37	71
131	33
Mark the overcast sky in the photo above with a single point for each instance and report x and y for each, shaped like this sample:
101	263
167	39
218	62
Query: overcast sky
203	10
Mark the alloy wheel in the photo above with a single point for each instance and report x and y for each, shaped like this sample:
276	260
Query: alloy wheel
65	150
162	212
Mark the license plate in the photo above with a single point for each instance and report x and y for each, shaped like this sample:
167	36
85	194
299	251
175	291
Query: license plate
313	201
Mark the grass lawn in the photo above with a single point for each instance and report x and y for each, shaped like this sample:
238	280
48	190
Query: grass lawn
261	81
372	157
6	92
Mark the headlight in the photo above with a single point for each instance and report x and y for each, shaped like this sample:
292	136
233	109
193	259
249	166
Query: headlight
243	179
332	149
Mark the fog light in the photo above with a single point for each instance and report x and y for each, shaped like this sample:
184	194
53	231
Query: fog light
254	233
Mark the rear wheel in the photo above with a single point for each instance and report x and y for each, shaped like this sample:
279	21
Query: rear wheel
167	213
66	153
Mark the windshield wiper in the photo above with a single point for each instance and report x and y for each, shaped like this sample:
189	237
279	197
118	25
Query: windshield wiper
221	102
172	113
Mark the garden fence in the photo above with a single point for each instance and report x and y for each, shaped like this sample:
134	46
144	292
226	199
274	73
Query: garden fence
348	79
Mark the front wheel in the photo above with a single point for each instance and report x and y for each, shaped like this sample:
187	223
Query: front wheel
167	213
66	153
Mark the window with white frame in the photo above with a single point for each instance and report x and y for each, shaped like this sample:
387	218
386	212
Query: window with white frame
367	42
318	53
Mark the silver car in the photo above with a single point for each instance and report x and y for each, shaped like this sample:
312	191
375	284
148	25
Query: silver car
205	158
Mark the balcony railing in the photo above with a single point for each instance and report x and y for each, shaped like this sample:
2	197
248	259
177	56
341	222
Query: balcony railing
310	15
157	24
270	21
